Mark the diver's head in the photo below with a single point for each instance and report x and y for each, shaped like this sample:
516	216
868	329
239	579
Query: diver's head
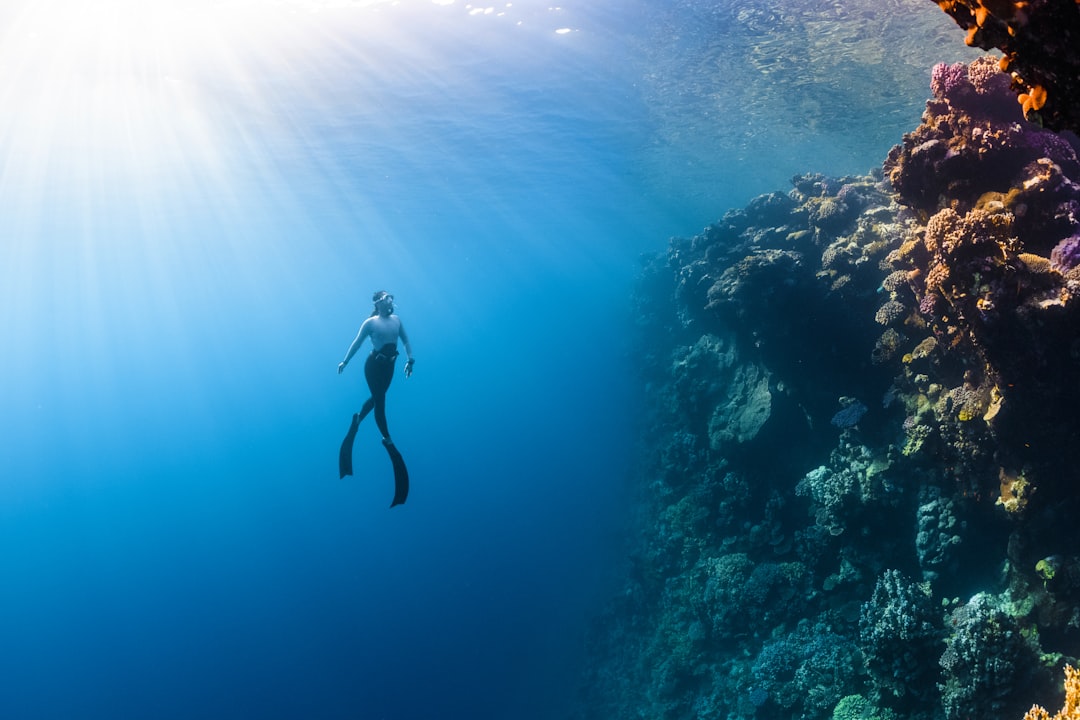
384	303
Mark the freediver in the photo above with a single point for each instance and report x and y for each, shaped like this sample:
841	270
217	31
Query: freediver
384	328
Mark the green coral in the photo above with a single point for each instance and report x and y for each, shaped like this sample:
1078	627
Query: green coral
856	707
1048	567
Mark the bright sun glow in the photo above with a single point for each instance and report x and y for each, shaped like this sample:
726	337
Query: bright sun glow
132	113
118	82
117	89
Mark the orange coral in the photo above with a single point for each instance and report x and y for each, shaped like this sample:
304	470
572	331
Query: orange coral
1033	100
1038	97
975	14
1071	709
1004	9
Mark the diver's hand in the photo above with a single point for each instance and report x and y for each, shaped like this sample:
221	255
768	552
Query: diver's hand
408	368
341	366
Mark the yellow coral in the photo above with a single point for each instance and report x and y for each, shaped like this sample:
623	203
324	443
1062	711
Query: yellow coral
1048	567
996	401
995	202
1035	263
1071	709
924	348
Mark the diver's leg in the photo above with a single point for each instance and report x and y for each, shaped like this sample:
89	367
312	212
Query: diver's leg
345	454
368	405
380	416
378	374
401	473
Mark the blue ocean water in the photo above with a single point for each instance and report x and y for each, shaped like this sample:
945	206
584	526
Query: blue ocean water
198	200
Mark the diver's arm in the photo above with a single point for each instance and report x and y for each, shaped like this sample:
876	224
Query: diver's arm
365	330
405	340
408	349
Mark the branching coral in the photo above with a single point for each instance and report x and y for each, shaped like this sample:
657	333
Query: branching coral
1071	709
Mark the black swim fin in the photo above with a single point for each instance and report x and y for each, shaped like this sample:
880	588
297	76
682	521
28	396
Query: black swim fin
401	474
345	456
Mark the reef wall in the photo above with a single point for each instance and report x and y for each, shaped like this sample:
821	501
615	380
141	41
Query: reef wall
858	487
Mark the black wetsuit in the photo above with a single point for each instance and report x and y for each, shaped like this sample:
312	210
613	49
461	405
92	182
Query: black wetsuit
379	371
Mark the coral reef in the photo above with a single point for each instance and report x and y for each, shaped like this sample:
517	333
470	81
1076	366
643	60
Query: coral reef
809	670
857	498
855	482
987	659
899	634
1038	39
989	260
936	533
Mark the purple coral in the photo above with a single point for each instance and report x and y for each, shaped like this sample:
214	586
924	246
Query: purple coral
855	196
945	79
928	305
1066	254
1049	148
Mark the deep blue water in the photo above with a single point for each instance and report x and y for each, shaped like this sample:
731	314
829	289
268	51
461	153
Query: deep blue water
196	209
